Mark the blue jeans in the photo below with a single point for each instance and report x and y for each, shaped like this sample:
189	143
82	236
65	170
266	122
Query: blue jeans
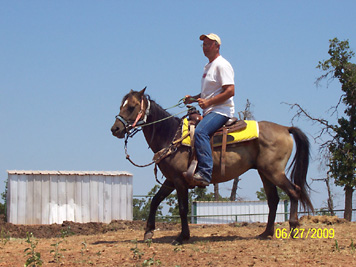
204	130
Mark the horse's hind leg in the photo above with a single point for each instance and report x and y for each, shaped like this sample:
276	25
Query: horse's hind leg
272	200
294	196
292	190
163	192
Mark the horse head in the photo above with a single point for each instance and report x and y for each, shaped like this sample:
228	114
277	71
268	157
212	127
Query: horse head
134	110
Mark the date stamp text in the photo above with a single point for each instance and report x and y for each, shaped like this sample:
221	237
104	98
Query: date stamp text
313	233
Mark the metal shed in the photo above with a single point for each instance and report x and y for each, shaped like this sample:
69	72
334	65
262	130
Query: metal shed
46	197
220	212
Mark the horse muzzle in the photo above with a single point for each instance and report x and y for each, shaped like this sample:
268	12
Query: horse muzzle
119	129
117	132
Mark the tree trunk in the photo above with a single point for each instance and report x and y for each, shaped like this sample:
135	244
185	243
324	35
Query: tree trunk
234	189
330	197
216	192
348	202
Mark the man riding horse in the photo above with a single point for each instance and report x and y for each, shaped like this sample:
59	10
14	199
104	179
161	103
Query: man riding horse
216	100
268	154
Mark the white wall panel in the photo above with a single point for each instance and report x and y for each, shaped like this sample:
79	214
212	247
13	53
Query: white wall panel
46	197
61	198
108	185
29	201
215	212
85	199
78	198
37	199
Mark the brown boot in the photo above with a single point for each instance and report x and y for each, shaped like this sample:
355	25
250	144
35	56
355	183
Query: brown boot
195	180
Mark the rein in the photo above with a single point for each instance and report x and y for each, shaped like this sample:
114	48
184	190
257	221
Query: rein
141	121
163	152
166	118
180	104
160	154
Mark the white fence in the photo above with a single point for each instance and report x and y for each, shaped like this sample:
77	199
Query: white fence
46	197
221	212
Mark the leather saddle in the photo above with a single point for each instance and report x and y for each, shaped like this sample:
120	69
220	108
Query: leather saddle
232	125
220	136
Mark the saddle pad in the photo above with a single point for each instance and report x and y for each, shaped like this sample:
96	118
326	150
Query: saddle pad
250	132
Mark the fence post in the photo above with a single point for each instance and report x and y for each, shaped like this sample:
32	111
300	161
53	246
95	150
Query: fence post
286	202
194	212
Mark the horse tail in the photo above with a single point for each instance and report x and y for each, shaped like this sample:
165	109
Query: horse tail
300	165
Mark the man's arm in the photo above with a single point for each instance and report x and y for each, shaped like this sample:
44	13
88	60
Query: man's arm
227	92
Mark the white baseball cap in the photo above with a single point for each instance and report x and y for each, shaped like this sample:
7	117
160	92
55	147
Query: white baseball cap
211	36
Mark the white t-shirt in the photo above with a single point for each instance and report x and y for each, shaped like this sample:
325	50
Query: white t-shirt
217	74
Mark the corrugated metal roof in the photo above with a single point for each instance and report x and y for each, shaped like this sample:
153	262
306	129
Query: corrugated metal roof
37	172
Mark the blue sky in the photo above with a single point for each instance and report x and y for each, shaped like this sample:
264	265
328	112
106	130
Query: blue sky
65	66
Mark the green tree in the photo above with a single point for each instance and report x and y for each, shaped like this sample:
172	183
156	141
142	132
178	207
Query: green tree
3	206
261	195
342	147
340	150
196	194
141	207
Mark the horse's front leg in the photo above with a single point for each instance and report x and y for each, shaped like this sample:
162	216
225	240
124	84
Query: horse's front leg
182	192
163	192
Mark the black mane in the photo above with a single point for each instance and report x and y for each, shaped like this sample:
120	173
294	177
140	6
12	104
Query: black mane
161	126
165	129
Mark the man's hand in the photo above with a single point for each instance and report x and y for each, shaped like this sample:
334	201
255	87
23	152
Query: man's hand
188	99
203	103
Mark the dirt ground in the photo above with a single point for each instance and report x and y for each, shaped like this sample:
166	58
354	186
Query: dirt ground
321	241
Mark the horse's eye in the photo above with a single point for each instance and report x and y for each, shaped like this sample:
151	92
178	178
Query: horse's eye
130	108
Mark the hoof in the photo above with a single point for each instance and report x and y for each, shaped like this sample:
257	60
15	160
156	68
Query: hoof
294	224
176	243
179	240
148	235
264	236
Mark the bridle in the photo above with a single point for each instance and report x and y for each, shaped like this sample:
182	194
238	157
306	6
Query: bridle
139	121
132	129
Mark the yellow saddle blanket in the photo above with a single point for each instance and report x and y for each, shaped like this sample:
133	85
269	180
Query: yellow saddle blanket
250	132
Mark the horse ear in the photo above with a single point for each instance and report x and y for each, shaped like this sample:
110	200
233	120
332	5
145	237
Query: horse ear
142	92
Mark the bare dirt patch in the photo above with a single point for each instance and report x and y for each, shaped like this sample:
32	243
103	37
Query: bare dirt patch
120	244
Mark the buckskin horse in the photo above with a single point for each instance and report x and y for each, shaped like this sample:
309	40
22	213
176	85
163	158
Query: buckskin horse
269	155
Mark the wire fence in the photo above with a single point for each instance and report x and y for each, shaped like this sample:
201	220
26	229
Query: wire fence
237	218
246	217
